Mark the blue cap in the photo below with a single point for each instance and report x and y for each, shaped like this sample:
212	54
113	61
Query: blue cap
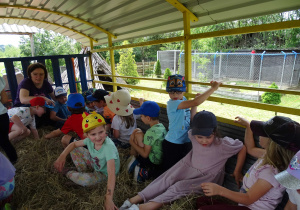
148	108
75	98
204	123
176	82
90	98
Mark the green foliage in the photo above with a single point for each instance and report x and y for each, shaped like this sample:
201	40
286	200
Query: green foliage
166	75
158	69
271	98
127	65
10	51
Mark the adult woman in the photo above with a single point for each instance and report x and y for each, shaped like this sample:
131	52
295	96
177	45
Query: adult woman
35	85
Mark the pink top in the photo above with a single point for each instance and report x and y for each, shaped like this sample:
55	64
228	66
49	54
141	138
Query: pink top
266	172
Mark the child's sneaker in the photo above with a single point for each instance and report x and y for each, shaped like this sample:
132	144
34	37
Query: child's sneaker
134	207
126	205
132	164
142	175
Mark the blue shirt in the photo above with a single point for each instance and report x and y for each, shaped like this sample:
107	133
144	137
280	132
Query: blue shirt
179	122
61	110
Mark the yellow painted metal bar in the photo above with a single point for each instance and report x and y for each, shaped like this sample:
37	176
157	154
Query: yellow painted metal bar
187	51
183	9
55	24
249	29
154	42
292	92
236	102
58	13
91	64
112	63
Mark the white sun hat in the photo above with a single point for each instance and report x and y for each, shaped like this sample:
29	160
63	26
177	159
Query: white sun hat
119	102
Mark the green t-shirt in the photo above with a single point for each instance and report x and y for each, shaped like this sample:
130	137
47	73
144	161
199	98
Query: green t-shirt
154	137
100	157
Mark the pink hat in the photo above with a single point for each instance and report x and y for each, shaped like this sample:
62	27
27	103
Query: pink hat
290	178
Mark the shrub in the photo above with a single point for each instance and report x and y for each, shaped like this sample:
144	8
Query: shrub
271	98
158	69
166	75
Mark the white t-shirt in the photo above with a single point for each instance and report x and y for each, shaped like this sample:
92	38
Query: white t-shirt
24	114
294	197
125	133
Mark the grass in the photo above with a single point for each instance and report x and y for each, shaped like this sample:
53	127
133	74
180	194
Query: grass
219	109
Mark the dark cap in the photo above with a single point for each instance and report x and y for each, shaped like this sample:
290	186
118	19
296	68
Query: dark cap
282	130
148	108
204	123
97	95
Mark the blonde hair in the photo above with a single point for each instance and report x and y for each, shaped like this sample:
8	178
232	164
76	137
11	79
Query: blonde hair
277	156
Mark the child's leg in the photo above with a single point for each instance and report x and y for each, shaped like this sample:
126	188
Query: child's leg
139	138
17	133
82	160
4	139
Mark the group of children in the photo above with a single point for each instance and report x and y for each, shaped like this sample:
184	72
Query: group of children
188	158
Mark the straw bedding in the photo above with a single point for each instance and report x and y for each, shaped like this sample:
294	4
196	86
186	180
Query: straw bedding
38	186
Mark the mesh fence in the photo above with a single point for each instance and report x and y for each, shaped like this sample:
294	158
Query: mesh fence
257	69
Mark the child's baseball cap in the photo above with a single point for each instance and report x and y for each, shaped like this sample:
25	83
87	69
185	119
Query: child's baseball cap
39	101
97	95
203	123
91	121
60	91
176	82
290	178
148	108
86	93
282	130
119	102
75	98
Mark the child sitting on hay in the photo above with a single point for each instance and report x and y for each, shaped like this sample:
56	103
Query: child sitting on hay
101	155
21	117
76	106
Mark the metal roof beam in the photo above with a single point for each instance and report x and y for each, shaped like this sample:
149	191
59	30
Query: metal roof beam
58	13
47	22
183	9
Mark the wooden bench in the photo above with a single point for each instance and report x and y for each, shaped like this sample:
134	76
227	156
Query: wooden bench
232	131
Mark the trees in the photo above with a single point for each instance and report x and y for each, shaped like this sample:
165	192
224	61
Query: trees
166	75
271	98
127	65
158	69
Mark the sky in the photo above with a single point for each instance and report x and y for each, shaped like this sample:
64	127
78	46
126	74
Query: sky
10	39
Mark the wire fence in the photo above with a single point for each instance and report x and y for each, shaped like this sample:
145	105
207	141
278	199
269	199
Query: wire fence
255	69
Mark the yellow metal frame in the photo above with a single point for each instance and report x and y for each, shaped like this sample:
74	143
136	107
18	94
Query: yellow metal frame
183	9
187	50
58	13
55	24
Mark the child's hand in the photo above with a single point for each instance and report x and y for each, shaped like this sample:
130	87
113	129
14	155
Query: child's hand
211	189
238	177
59	164
141	100
215	85
242	121
109	204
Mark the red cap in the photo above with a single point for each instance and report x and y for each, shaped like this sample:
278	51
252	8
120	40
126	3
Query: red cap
37	101
253	51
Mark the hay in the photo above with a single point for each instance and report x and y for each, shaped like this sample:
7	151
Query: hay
38	186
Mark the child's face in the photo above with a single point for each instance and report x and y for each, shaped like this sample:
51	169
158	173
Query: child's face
90	105
176	95
205	141
99	104
40	111
62	99
145	119
97	135
264	142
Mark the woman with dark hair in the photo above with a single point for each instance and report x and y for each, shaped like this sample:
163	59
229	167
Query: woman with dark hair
36	85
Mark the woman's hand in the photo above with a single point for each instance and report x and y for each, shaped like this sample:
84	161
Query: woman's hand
49	101
242	121
211	189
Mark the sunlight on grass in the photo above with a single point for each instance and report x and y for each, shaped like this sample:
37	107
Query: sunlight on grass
219	109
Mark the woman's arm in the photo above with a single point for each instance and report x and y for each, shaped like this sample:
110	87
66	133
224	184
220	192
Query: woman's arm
4	97
111	182
237	173
60	162
201	98
249	140
25	98
258	189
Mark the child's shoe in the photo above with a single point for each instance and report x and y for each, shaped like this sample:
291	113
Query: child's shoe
125	205
132	164
134	207
142	175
